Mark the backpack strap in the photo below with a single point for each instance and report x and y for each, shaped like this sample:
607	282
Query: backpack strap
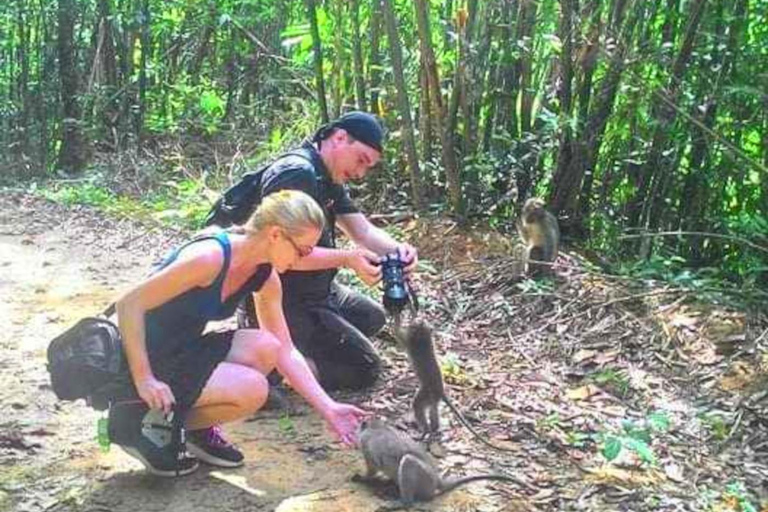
239	200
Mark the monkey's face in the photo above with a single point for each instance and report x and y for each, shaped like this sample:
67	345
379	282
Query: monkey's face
533	204
371	423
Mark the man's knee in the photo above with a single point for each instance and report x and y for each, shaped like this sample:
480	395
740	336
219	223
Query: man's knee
376	320
361	375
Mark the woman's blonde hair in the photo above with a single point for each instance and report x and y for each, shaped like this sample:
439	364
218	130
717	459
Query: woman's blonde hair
291	210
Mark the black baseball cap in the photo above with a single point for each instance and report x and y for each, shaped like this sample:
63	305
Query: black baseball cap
362	126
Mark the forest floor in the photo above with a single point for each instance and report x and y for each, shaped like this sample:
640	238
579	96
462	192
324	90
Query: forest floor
608	394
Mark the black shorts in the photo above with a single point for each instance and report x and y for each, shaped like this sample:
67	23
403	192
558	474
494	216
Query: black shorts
186	370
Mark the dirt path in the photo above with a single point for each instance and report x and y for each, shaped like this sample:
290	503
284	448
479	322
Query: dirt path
550	383
58	264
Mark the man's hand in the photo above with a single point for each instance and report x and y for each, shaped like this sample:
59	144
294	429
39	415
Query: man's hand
409	256
365	263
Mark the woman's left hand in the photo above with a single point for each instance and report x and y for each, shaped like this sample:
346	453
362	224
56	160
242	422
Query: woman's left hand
344	420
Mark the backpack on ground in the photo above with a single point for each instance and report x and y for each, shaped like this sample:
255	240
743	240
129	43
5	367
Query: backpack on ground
85	359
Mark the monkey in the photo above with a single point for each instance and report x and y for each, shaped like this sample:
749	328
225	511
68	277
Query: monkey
417	341
540	233
406	463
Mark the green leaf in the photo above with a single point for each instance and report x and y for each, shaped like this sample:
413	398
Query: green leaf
659	421
642	449
611	448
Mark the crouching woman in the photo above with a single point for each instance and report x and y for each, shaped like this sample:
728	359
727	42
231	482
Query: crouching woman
215	377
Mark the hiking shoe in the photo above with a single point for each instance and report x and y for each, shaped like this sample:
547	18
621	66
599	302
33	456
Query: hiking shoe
148	436
161	461
209	446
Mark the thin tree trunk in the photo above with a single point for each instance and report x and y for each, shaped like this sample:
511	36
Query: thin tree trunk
318	50
402	99
357	49
145	51
72	153
567	179
374	63
23	129
657	166
338	62
525	63
425	114
446	138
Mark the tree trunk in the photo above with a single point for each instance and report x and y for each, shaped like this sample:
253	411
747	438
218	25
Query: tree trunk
72	153
357	50
374	63
402	99
657	166
567	179
145	51
23	129
446	138
425	114
318	50
525	63
337	63
607	91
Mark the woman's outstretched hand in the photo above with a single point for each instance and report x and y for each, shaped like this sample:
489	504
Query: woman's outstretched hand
344	420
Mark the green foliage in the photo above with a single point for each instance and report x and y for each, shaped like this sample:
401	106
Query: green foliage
177	204
286	425
634	436
716	425
450	365
734	498
612	379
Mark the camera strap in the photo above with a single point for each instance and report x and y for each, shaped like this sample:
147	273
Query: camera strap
413	301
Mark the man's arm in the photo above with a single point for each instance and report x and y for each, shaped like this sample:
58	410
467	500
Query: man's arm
360	230
362	261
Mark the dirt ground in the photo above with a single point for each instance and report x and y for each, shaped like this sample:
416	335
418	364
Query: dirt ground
59	264
525	368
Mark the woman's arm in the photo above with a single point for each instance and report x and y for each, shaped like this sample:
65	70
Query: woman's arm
344	419
290	363
197	265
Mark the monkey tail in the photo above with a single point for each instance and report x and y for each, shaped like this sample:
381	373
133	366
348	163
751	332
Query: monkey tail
474	432
449	485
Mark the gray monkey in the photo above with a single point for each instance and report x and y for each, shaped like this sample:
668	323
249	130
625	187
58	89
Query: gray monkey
418	344
539	231
404	461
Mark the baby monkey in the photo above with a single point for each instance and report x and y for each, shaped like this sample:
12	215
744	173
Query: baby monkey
405	462
540	233
418	344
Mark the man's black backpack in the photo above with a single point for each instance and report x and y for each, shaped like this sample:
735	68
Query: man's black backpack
239	200
85	359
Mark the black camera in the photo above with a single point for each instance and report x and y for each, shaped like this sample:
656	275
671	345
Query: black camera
393	279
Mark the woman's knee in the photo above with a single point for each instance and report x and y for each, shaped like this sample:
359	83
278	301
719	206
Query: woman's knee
258	349
253	389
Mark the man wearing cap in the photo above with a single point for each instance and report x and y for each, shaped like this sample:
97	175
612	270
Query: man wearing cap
330	323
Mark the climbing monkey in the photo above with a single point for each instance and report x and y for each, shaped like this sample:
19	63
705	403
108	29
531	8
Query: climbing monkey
418	344
540	233
405	462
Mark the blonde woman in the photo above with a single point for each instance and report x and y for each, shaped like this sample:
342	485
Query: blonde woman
217	377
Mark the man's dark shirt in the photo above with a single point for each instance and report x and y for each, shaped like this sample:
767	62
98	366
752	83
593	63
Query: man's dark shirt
294	172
